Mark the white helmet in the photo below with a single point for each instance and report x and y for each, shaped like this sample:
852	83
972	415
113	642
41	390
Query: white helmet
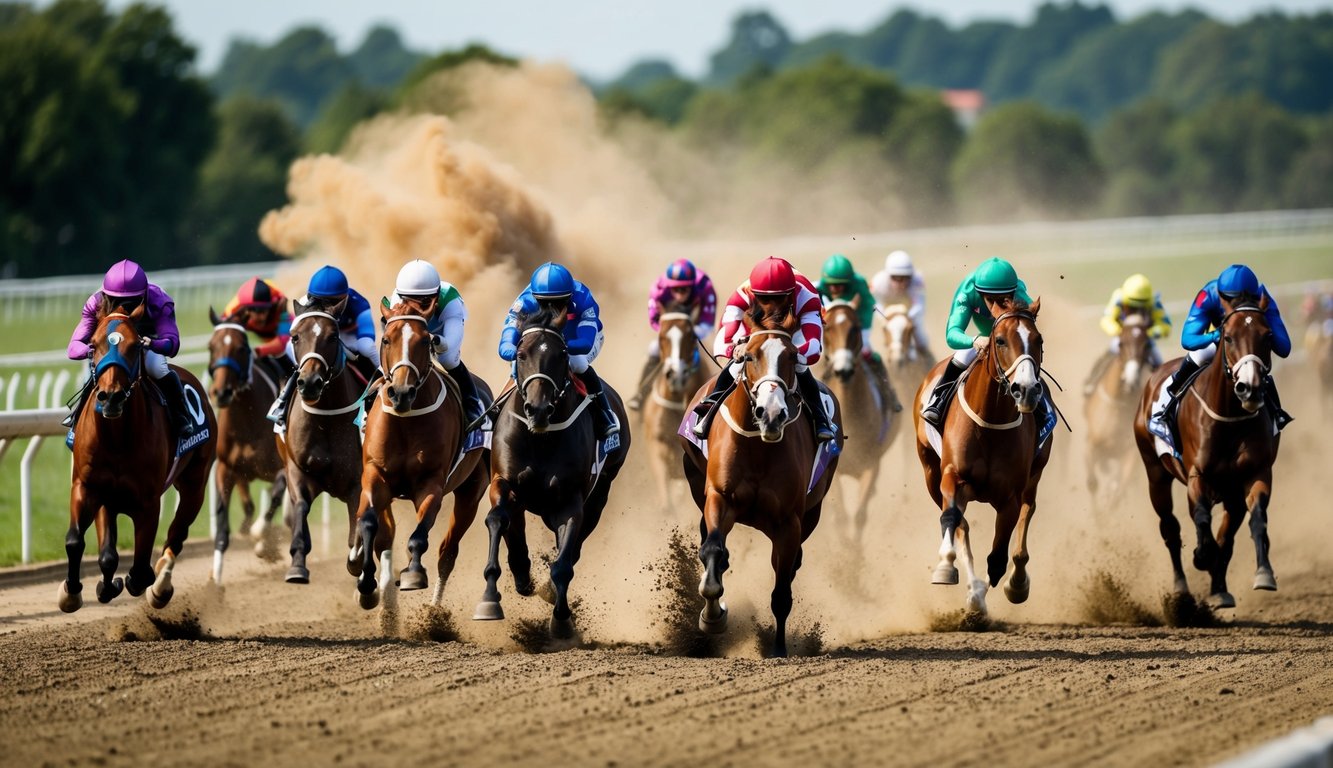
899	264
417	278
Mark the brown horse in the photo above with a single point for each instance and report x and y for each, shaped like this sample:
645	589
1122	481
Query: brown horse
243	391
545	459
904	356
1110	409
1227	451
989	452
124	461
681	374
321	448
851	382
758	469
414	450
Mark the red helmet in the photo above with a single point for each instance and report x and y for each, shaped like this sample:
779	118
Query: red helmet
773	277
254	291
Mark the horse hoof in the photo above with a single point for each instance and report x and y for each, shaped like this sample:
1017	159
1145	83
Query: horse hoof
1265	580
488	611
1017	593
353	565
69	603
944	574
1222	600
298	574
412	578
716	625
108	592
368	600
524	587
159	600
562	629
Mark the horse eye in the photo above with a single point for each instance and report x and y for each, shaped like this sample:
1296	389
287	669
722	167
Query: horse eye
1000	343
295	338
1227	339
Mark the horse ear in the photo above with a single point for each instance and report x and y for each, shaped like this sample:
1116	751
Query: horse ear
213	315
338	308
1227	308
428	308
384	308
139	311
1035	306
1264	302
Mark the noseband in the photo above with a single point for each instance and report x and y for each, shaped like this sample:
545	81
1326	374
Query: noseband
1233	369
228	361
406	363
560	388
1002	374
114	357
334	370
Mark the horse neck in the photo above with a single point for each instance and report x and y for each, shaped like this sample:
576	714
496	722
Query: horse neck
985	394
1215	387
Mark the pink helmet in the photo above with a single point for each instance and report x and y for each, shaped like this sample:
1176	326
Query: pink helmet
125	279
772	276
680	274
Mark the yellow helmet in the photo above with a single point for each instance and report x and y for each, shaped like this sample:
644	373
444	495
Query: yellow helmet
1137	290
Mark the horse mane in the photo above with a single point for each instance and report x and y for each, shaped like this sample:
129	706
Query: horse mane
684	308
769	321
542	317
110	304
320	304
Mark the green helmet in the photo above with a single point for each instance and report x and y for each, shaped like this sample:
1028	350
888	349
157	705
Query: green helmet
995	276
838	269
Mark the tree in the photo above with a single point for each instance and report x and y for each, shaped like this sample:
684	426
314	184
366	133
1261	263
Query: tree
349	107
757	38
1055	30
1310	181
1135	147
412	91
643	74
301	71
382	60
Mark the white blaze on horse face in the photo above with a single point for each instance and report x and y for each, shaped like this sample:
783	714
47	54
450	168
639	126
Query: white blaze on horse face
1248	372
1026	374
769	395
843	360
319	328
897	325
674	364
407	340
1131	373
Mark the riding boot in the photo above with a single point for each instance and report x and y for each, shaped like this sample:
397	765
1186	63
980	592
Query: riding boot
891	401
809	386
80	399
645	383
706	407
174	391
1098	370
467	389
604	419
933	413
277	413
1187	369
1280	417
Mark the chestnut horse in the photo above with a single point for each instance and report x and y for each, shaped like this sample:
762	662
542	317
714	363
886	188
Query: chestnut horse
321	448
414	450
989	452
761	451
243	391
681	374
546	460
849	378
1228	446
124	460
1109	412
904	356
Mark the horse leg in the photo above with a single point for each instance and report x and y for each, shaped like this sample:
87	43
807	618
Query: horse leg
950	520
1016	589
428	503
82	510
568	541
145	534
1233	513
976	588
865	488
520	561
248	521
786	559
997	562
717	523
222	483
191	488
466	498
107	559
376	511
276	491
302	497
1201	511
1159	491
1257	498
497	522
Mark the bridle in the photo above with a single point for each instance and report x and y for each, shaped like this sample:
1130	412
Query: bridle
1002	375
560	387
405	362
1233	369
114	357
752	391
247	372
335	369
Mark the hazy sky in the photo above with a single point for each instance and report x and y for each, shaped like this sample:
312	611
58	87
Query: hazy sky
599	38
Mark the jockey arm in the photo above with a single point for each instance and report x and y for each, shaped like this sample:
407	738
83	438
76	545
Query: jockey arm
1161	321
1281	339
83	333
1206	310
809	339
509	336
584	308
706	295
277	342
162	311
960	317
1111	315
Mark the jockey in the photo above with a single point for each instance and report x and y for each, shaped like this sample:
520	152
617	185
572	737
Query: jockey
419	280
552	285
356	329
686	286
897	284
262	309
977	300
838	281
772	282
126	285
1200	333
1135	295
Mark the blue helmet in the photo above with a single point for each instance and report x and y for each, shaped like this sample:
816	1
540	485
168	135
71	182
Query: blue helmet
327	283
1237	280
551	281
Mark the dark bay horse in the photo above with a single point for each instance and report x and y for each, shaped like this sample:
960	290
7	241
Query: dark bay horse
1109	413
1227	451
761	450
414	450
124	461
849	378
243	391
989	452
545	460
680	375
321	449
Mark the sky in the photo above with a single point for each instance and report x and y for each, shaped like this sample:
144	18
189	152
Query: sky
600	38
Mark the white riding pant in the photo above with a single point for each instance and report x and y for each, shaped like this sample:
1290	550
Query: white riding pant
964	357
453	342
155	363
1204	356
580	363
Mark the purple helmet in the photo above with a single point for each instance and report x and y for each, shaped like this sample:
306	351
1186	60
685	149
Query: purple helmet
125	279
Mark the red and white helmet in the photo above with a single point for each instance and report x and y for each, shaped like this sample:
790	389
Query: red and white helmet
772	277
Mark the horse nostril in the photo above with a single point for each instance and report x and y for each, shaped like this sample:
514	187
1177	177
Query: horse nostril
102	397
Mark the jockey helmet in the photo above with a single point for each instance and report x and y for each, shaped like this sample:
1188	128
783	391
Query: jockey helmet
681	274
899	264
1137	290
1237	280
327	283
417	278
254	291
996	276
125	279
772	277
551	281
838	269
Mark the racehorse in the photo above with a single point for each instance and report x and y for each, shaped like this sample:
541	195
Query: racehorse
680	375
904	356
988	451
243	391
856	390
321	446
124	460
414	449
546	460
1226	453
1110	409
761	452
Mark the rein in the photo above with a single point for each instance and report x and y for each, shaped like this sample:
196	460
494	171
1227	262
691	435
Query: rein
115	358
559	388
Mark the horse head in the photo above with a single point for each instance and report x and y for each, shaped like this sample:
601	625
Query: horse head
117	357
769	369
541	366
676	347
842	337
1134	347
230	360
1016	353
408	348
900	335
319	351
1246	348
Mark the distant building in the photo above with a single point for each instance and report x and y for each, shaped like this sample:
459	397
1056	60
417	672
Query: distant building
966	105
